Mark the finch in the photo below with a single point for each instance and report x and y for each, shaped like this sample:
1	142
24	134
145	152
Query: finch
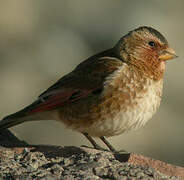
110	93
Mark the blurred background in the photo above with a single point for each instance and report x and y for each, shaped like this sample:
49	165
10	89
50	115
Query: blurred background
40	41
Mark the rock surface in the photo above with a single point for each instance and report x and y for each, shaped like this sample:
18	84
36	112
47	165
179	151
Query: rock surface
18	160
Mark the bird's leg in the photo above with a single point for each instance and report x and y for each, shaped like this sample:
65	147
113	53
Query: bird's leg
108	144
95	145
111	147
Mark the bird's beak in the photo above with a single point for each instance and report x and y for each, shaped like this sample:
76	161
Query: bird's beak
167	54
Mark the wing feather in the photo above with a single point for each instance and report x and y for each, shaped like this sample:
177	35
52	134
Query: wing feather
87	78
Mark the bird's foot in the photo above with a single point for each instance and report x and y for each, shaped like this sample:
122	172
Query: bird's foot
122	155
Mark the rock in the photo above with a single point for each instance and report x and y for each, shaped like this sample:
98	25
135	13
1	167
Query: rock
18	160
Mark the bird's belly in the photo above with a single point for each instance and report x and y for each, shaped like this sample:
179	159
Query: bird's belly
120	123
116	121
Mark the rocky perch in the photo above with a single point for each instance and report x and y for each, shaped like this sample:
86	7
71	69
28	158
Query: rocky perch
19	160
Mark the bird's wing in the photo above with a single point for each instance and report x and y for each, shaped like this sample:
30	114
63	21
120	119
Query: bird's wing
86	79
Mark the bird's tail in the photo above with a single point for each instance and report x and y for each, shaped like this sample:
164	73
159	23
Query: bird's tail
24	115
11	120
14	119
18	118
7	123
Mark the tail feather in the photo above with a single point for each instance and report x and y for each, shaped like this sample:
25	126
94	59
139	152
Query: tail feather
7	123
13	119
18	117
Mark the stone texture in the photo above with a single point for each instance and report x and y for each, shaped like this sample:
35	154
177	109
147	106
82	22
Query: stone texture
22	161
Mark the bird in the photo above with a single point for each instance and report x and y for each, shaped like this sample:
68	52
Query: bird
110	93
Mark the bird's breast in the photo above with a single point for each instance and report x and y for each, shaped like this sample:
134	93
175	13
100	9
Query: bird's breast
128	101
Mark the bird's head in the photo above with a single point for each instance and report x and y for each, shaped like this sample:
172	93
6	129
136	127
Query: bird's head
146	49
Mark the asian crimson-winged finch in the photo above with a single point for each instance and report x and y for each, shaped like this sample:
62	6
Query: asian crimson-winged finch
110	93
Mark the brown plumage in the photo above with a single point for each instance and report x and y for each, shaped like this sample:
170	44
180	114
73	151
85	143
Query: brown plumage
109	93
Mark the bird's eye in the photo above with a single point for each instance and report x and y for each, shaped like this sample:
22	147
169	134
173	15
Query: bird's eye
151	43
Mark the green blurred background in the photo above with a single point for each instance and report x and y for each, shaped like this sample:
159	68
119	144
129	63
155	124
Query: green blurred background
40	41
